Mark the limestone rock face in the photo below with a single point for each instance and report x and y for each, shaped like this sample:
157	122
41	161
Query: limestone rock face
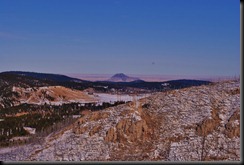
111	135
127	130
207	126
233	125
191	124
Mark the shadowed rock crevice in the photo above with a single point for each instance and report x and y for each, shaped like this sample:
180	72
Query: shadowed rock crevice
232	127
207	126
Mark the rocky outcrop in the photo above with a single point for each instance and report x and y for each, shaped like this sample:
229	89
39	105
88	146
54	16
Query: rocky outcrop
98	116
127	130
232	127
207	126
94	130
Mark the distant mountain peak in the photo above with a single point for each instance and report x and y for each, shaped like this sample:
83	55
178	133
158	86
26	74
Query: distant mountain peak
121	77
120	74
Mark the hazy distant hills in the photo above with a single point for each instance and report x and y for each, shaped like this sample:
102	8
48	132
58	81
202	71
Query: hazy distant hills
46	76
120	77
33	79
118	81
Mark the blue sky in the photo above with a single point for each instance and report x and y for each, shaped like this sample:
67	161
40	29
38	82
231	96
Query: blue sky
165	37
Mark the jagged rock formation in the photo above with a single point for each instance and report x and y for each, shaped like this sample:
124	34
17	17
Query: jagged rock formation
192	124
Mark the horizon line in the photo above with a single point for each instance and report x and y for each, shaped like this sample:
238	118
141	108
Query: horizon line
145	77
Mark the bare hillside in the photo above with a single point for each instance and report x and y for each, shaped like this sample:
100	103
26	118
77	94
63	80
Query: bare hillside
51	94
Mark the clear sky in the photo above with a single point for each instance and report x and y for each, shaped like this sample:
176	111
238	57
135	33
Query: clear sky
166	37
